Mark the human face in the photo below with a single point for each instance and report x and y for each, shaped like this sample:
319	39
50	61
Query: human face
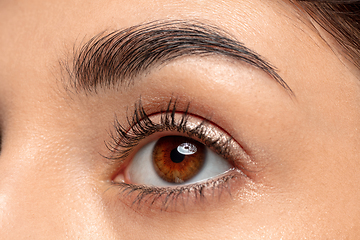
294	137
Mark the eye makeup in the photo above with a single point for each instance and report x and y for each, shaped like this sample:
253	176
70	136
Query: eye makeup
175	122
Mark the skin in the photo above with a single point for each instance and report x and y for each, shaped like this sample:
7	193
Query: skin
54	184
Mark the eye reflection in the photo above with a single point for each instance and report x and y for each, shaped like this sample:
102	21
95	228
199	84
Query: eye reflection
177	159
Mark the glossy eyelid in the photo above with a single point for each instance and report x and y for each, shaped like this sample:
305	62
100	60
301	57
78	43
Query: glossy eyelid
126	142
178	120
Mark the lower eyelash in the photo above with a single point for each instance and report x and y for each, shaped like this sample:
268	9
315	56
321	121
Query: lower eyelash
169	198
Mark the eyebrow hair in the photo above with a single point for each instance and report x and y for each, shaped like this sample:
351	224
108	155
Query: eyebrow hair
121	55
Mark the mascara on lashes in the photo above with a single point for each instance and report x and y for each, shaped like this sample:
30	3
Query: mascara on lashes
141	126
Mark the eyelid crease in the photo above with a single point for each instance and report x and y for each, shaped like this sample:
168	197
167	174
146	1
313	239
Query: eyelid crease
174	122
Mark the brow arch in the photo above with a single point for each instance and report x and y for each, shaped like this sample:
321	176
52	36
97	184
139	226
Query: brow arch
119	56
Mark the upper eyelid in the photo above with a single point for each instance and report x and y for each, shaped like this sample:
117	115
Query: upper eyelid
121	55
203	130
140	122
162	197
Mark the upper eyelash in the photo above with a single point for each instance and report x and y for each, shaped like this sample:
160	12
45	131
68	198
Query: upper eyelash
141	126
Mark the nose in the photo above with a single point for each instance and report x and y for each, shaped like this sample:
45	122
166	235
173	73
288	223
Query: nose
45	190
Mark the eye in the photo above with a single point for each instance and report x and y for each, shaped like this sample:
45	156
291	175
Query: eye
174	160
173	156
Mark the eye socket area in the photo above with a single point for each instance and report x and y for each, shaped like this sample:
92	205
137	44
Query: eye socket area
172	161
140	186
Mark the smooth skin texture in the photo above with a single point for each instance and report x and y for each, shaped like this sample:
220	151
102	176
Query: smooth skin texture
54	184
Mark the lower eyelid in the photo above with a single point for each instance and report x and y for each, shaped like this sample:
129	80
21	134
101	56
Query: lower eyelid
186	198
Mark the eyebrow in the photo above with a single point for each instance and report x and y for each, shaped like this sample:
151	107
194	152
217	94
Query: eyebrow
120	56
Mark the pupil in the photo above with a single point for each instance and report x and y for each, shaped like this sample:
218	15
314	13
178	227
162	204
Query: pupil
176	157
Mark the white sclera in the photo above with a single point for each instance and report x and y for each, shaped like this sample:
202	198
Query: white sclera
142	171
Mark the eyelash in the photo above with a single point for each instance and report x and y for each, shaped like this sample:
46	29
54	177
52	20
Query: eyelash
140	126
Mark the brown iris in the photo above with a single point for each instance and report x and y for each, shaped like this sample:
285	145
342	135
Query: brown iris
177	159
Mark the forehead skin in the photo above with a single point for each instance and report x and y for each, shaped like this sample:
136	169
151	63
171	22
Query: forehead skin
53	182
